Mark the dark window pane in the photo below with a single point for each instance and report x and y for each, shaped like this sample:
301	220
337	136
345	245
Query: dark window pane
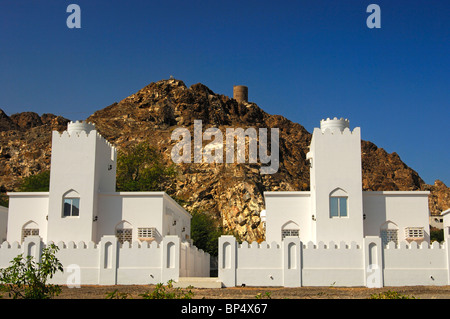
334	207
67	206
343	206
75	207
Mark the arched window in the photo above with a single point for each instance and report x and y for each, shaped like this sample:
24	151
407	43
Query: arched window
338	203
30	229
124	232
290	229
71	204
389	232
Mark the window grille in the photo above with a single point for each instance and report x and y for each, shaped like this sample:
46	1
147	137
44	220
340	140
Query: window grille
124	234
29	232
388	235
414	232
147	232
290	232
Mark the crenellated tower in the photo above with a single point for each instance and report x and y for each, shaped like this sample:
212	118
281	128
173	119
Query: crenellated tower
83	164
336	182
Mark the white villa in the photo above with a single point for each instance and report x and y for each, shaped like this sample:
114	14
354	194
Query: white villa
336	208
336	233
83	205
112	237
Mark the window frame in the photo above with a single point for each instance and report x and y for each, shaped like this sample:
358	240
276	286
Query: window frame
71	199
338	205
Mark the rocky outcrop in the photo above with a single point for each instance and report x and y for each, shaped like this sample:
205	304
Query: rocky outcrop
25	147
233	193
439	199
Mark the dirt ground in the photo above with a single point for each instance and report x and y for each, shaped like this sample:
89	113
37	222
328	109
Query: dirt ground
133	292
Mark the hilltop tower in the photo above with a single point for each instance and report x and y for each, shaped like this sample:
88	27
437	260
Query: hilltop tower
240	93
336	182
83	164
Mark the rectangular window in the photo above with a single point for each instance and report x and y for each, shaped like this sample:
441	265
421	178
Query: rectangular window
388	235
29	232
414	232
338	207
71	207
290	232
147	232
125	234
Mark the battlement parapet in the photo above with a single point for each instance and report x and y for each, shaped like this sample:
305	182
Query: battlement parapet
79	126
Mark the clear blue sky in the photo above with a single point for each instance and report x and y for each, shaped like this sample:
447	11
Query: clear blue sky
305	60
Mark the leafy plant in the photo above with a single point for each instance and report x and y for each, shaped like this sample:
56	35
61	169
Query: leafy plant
39	182
141	168
205	232
436	234
167	292
4	200
267	295
117	295
390	295
28	280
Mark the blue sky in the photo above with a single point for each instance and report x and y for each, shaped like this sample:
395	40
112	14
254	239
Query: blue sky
305	60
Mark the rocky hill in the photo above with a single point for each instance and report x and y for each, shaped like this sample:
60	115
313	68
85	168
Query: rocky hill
233	193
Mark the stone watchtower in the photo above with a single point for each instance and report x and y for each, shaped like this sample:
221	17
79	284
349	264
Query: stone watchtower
240	93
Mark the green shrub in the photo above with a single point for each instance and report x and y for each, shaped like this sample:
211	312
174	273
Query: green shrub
141	168
117	295
26	279
4	200
39	182
167	292
436	234
390	295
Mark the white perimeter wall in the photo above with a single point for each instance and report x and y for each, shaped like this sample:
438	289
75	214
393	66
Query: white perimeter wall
109	263
292	263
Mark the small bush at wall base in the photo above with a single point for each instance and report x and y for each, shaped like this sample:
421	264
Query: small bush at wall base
390	295
167	292
117	295
26	279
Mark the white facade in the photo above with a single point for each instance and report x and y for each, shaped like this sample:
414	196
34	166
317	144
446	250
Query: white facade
336	208
336	234
83	207
82	204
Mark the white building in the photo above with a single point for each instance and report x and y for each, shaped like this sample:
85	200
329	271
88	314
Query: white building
82	204
336	233
83	207
336	208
